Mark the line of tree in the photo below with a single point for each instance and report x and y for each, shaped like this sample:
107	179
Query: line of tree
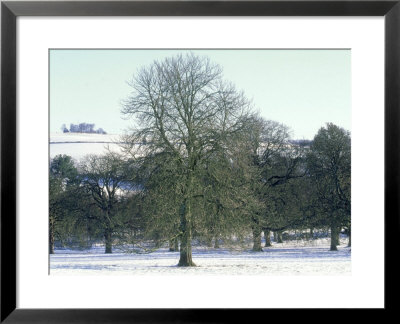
82	128
200	166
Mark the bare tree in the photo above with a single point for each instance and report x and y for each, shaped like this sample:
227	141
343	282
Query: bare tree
330	169
273	163
103	177
183	108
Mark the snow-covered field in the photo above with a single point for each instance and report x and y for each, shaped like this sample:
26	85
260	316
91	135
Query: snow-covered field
78	145
82	137
288	258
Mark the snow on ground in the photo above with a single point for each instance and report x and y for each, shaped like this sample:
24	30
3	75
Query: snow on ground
288	258
77	145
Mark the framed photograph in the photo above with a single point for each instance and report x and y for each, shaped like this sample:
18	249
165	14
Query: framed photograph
167	161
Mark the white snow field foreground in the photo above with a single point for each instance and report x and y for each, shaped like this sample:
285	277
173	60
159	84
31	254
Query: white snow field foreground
288	258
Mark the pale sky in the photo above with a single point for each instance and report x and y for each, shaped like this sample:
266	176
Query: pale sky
303	89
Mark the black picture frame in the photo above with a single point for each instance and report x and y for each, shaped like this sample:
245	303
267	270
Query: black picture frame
10	10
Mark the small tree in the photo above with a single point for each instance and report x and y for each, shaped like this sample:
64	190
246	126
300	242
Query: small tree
64	128
63	186
104	178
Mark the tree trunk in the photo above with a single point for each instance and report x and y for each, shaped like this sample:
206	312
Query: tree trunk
185	258
216	242
158	242
209	241
108	231
51	236
267	235
311	233
108	240
257	239
278	237
334	236
349	233
173	245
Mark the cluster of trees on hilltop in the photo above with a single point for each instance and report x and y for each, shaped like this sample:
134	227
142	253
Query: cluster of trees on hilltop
201	166
82	128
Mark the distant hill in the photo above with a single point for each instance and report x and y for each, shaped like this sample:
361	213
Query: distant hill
83	138
77	145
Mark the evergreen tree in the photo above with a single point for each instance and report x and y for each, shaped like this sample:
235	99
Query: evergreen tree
63	187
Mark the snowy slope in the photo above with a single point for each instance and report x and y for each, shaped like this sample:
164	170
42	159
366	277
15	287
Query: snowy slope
85	138
78	145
